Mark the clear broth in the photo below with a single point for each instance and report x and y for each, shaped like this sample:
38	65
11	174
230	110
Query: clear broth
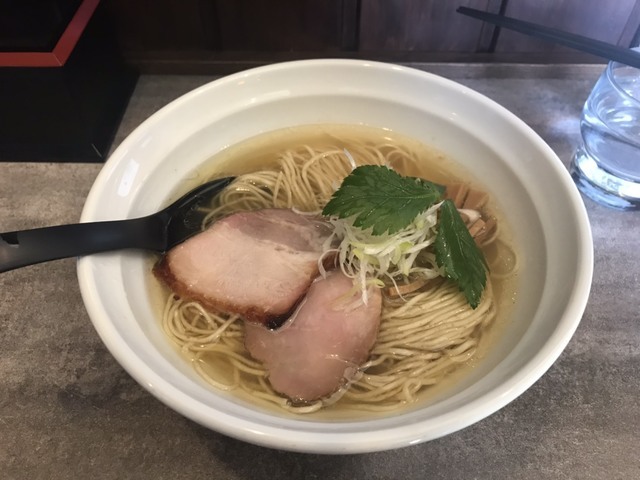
261	152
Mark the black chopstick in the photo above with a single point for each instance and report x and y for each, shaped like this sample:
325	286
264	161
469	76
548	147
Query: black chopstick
578	42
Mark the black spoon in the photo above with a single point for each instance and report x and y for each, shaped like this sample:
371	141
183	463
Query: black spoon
158	232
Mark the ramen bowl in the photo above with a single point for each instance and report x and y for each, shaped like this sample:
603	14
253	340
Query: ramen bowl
164	155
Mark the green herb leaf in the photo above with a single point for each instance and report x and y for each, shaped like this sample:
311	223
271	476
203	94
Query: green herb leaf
457	252
382	199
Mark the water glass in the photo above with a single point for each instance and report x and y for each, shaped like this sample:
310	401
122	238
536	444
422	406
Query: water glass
606	165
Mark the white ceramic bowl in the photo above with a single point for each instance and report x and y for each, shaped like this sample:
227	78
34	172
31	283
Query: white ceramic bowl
523	173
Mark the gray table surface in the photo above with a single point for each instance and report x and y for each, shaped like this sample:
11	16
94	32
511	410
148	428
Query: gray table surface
68	410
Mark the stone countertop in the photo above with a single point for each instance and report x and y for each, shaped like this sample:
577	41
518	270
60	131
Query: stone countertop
69	411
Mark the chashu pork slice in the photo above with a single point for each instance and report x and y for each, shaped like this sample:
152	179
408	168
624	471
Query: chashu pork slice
258	264
321	347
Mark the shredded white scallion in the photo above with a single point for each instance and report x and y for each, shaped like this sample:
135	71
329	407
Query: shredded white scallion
368	258
352	161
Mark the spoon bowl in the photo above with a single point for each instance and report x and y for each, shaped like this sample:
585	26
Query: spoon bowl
158	232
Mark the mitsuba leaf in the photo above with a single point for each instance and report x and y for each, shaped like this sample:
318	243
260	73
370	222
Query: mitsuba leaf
457	253
382	199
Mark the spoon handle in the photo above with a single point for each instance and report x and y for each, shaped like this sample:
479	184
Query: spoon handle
28	247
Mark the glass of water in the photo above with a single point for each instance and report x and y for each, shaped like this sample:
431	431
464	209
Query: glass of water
606	166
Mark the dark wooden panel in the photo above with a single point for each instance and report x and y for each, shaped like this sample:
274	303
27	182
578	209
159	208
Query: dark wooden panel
350	24
221	35
284	25
602	20
148	25
630	36
423	25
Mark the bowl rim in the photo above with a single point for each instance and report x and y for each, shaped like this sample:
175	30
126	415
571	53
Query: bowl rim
387	436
